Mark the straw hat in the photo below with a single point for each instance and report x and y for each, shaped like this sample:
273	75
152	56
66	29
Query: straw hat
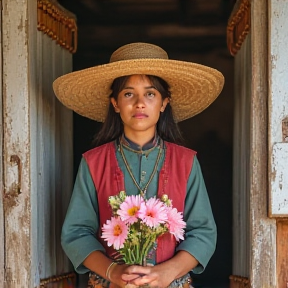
193	87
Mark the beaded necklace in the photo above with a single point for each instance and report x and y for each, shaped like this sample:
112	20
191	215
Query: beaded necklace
142	191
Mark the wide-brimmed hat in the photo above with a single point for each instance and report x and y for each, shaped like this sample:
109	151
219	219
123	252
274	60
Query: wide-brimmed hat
193	86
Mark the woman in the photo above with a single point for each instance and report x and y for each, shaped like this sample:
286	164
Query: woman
138	152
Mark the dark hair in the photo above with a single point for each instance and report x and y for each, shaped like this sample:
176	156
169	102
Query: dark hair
113	128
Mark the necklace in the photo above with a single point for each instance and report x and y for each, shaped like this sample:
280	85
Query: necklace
146	152
142	191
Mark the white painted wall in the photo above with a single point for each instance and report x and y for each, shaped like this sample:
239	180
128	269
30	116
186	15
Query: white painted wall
278	107
38	132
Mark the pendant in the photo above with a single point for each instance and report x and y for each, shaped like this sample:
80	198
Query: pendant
164	197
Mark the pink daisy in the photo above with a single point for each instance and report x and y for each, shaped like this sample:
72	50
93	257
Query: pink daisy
175	223
129	208
153	213
115	233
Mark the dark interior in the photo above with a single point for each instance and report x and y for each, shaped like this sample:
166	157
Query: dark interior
189	30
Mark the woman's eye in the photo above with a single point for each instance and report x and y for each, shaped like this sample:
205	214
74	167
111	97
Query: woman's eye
150	94
128	94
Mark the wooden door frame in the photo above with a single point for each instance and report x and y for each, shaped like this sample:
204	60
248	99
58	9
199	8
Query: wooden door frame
263	230
2	235
260	251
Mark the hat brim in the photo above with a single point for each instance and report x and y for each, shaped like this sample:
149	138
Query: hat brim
193	86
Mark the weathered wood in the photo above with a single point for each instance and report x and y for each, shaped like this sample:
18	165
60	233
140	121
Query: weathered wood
53	160
239	282
279	181
282	253
278	108
241	161
263	229
238	25
58	23
2	241
37	186
67	280
256	259
277	132
285	130
17	206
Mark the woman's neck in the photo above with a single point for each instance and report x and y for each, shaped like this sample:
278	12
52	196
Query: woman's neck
140	138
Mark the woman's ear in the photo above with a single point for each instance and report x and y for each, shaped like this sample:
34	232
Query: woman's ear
114	103
164	104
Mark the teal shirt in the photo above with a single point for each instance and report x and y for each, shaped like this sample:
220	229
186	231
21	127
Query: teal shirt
81	223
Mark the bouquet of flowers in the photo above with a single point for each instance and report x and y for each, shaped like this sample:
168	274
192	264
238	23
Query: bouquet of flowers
137	223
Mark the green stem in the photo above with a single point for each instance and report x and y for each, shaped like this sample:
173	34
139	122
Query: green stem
138	253
146	247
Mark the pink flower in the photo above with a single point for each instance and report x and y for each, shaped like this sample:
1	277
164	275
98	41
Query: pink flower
129	209
175	223
153	213
115	233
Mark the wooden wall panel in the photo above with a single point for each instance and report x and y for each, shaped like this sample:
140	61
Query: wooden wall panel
2	262
278	108
263	229
239	282
53	159
255	260
241	161
37	150
16	145
282	253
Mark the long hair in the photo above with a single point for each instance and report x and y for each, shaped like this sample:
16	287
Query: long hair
113	127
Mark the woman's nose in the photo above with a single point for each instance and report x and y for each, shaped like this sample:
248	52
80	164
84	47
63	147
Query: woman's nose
140	101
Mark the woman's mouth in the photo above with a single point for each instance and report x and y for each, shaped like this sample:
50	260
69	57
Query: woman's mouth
140	116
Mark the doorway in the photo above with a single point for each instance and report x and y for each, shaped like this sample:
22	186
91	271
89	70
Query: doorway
191	31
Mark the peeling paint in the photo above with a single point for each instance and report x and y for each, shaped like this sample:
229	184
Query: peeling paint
279	181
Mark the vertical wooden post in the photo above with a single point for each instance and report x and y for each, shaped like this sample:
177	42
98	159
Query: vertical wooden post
37	172
255	260
278	132
2	254
263	229
17	205
282	253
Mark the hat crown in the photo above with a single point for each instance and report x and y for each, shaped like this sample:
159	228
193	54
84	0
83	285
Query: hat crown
138	51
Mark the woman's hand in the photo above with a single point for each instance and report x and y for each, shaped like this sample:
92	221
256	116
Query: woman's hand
116	276
163	274
154	276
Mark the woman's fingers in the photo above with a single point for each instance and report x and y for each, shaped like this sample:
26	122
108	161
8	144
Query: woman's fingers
129	277
141	270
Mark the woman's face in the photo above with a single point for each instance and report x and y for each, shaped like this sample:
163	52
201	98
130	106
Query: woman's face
139	105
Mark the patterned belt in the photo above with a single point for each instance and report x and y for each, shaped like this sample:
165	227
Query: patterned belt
96	281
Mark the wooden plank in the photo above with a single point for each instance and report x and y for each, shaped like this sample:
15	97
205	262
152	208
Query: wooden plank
2	254
241	172
277	101
17	206
64	180
282	253
279	181
52	127
32	138
263	230
239	282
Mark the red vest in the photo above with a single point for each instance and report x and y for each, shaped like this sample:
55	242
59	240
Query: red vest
109	181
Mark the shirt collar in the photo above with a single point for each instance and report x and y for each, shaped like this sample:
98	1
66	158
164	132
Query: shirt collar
151	144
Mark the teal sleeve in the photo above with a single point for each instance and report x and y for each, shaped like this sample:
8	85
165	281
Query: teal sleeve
201	232
81	223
